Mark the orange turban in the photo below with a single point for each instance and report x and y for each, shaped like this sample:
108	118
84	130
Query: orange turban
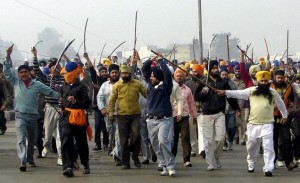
179	71
198	68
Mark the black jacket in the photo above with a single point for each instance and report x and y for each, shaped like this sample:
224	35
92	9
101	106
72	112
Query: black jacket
212	103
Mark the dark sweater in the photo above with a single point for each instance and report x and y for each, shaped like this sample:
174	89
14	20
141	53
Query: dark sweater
158	97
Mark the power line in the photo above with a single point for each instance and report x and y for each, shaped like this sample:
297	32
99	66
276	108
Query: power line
65	22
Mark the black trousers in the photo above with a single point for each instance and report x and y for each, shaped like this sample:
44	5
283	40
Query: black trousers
129	130
100	126
69	133
183	128
2	120
295	126
39	135
282	141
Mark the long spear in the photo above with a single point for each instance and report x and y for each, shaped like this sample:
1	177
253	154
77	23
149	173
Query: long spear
84	37
116	48
135	25
209	86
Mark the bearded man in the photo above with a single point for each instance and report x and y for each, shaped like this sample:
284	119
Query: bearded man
261	119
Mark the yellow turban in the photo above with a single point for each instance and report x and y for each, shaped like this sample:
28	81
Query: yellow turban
263	74
187	65
179	71
222	63
106	63
254	68
125	68
198	68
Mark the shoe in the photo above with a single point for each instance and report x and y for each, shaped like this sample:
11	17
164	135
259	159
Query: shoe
209	168
187	164
225	148
97	148
193	154
230	144
164	173
268	174
45	152
3	130
68	172
59	162
23	167
154	158
136	161
243	143
202	153
118	162
76	165
86	169
105	147
126	167
219	165
160	169
172	173
39	156
280	164
292	166
32	164
145	162
250	169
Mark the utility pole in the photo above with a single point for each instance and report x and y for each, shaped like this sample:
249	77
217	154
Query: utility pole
200	30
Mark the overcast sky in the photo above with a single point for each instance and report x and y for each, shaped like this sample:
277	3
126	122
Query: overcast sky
160	22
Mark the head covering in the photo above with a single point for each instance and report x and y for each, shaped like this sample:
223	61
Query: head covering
198	68
222	62
125	68
263	74
101	67
213	63
106	63
46	70
71	71
179	71
52	63
23	67
71	66
158	73
224	69
254	68
276	63
187	65
113	67
279	72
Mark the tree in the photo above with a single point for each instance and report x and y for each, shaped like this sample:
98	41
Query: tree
52	44
219	47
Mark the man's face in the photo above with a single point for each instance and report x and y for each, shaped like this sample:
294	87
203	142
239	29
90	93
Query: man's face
253	74
154	81
114	75
195	73
236	71
24	74
263	82
103	73
56	71
179	77
214	71
279	79
126	76
224	75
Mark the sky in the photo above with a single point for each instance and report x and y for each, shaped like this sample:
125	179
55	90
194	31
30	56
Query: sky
160	22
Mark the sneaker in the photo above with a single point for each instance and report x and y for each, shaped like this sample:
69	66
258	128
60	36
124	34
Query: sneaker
86	169
154	158
219	165
243	143
230	144
292	166
225	148
172	173
193	154
3	130
59	162
145	162
32	164
187	164
210	168
268	174
45	152
76	165
118	162
250	169
23	167
68	172
126	167
202	153
280	164
164	173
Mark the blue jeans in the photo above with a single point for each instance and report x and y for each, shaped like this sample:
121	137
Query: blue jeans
25	129
159	134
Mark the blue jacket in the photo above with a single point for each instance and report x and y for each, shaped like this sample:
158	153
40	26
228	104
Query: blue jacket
26	97
159	96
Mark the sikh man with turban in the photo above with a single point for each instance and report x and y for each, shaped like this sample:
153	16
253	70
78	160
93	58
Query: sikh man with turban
75	101
261	119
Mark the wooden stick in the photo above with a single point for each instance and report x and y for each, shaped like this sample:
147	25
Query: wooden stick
209	86
245	54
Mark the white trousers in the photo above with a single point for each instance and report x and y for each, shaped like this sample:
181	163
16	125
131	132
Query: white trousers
200	133
257	134
214	131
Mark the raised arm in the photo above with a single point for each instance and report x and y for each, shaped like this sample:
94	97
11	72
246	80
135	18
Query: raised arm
7	67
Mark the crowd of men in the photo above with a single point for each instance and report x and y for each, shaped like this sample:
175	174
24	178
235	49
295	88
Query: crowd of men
146	106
